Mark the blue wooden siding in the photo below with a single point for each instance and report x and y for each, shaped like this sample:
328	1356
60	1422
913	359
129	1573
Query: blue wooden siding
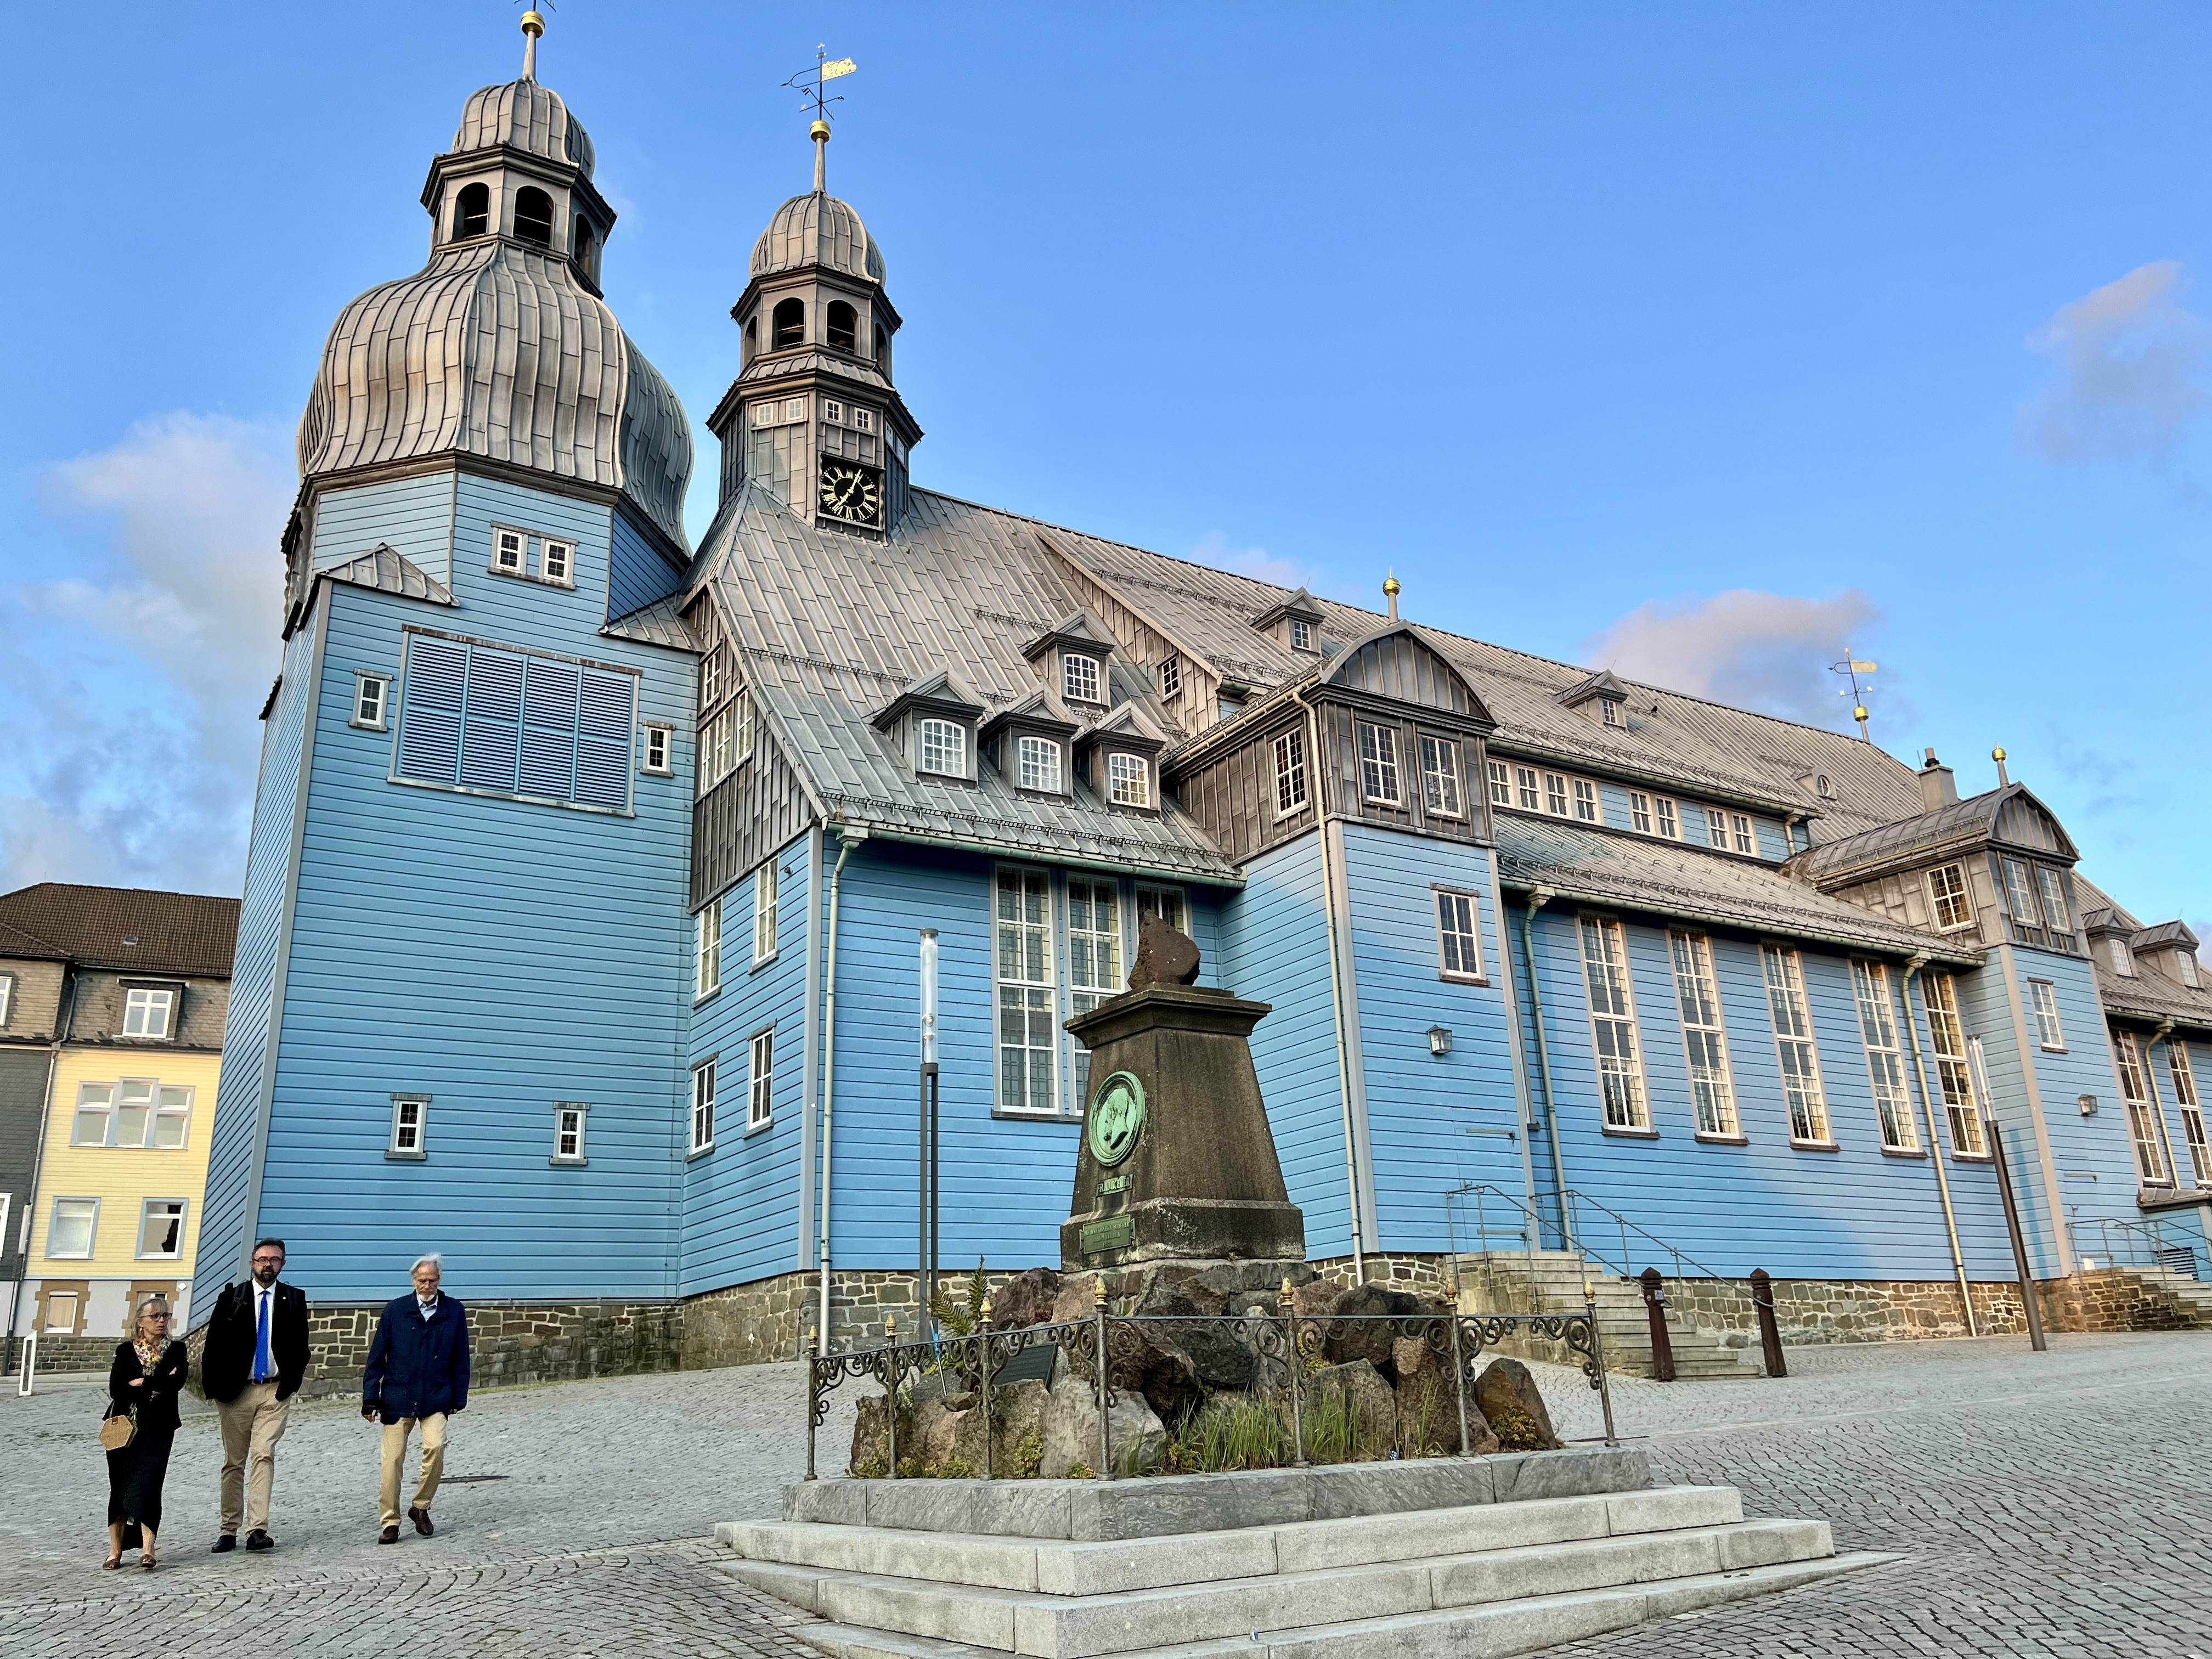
222	1220
1274	948
510	610
2094	1156
1421	1109
638	574
741	1201
415	516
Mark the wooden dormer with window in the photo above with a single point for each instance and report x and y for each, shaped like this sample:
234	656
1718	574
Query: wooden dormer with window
1601	698
1072	658
1295	624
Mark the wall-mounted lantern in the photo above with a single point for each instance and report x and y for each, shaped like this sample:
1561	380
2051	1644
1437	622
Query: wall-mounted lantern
2088	1105
1439	1042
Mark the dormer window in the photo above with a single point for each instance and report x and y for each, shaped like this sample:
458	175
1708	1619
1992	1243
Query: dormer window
2123	959
1038	766
1128	780
1824	785
788	324
1300	635
941	747
1171	679
1079	677
2186	961
1946	887
147	1009
1608	714
840	325
533	216
472	211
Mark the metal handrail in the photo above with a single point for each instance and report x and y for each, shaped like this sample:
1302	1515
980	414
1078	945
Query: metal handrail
1626	1227
2160	1246
1532	1224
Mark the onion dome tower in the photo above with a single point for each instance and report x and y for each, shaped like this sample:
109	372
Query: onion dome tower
501	348
813	419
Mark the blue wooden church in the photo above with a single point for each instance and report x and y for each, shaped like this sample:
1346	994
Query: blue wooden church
597	878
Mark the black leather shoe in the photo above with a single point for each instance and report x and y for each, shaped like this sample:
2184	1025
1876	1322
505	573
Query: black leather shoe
225	1544
258	1540
421	1520
389	1535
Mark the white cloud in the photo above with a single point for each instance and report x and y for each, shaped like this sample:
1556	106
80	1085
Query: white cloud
1756	650
133	756
2130	365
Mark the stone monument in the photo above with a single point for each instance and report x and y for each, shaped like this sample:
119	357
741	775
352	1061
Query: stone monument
1177	1161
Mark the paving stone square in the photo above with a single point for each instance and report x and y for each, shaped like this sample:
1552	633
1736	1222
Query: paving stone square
2049	1506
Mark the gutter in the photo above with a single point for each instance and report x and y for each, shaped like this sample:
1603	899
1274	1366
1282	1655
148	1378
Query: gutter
850	838
1936	1145
1537	900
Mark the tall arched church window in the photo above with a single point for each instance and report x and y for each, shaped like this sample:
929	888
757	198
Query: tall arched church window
533	216
788	324
840	326
472	211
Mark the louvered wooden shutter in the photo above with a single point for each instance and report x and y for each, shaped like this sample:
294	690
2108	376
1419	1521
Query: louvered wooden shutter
602	739
491	740
430	704
548	729
519	724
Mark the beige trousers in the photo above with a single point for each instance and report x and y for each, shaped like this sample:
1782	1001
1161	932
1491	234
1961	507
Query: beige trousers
252	1424
395	1454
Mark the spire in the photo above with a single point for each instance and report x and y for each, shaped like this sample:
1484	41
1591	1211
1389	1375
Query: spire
532	26
821	133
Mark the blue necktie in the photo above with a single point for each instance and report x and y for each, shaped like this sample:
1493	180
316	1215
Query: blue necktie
261	1340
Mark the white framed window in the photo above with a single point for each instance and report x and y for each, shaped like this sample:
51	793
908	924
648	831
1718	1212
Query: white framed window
71	1230
1166	903
1947	1037
2192	1110
62	1312
1668	824
1171	679
1612	1024
1947	890
833	412
941	747
2019	895
659	749
766	414
568	1121
1745	841
2187	961
507	550
1094	964
1608	711
2122	958
1300	635
95	1114
2143	1114
759	1080
1704	1040
1291	773
1555	794
409	1121
1586	808
7	1009
703	1106
1501	782
147	1009
2054	912
1378	762
134	1112
794	408
864	419
1893	1106
371	701
1128	780
1023	968
766	886
1639	813
741	731
2043	1002
1079	676
1459	936
714	762
1717	827
1038	760
707	951
710	679
1440	777
161	1229
1794	1045
556	561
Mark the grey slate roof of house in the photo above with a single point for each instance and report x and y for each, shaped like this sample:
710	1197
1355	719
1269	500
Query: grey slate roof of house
390	571
126	929
2148	994
1971	819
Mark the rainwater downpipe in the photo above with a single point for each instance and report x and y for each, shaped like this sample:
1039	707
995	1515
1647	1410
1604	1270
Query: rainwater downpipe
850	838
1537	900
1936	1148
1329	874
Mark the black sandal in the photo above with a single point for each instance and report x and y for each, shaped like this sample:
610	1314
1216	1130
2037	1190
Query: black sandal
110	1563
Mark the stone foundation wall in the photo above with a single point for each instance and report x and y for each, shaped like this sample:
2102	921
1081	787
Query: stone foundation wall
65	1354
2107	1299
1421	1275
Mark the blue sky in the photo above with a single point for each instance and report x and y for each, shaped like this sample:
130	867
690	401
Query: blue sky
1700	341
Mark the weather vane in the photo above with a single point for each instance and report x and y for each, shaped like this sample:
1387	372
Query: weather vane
811	85
1852	666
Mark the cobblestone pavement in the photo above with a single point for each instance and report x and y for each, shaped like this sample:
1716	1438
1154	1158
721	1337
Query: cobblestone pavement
2056	1505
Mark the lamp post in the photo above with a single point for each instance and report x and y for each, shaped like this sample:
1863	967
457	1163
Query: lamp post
924	1271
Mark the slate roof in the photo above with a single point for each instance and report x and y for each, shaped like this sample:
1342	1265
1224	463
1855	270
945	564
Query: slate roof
1924	835
817	229
660	623
187	933
390	571
527	116
2150	995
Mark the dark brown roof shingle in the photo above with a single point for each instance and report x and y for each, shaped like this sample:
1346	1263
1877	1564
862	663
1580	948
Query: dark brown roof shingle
128	929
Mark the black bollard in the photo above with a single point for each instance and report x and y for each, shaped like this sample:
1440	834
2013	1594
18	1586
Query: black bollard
1770	1334
1655	1307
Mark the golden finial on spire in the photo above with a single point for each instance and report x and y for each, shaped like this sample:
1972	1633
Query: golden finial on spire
532	26
1997	755
1390	591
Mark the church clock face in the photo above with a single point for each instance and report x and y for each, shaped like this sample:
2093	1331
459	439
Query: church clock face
852	492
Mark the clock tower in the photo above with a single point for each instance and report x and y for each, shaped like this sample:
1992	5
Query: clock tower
813	418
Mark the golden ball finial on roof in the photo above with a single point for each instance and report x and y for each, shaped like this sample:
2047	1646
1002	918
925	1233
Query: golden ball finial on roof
1997	753
532	23
820	131
1390	586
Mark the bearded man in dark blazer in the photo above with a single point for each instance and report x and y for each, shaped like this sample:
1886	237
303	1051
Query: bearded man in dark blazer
253	1362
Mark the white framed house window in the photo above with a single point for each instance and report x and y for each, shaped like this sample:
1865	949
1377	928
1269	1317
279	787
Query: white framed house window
7	1005
2187	960
1291	773
941	747
1166	903
2122	958
1794	1045
1947	1037
2043	1002
1171	679
569	1117
833	412
1639	813
1893	1106
1744	841
409	1123
1094	964
703	1106
1038	765
1668	824
1608	711
2192	1110
1555	794
707	951
1022	970
2143	1114
1586	808
1501	782
1128	780
1613	1025
95	1114
1459	936
2055	914
1079	676
556	561
864	419
62	1312
1378	763
161	1229
147	1010
759	1080
1440	777
1716	829
741	730
371	701
659	751
70	1232
766	887
710	679
1705	1042
507	551
1300	635
1947	892
2019	895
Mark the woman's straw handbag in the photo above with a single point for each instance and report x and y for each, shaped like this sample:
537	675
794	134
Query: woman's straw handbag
117	1431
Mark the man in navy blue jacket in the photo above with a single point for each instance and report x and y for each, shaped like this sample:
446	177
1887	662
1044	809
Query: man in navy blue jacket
418	1373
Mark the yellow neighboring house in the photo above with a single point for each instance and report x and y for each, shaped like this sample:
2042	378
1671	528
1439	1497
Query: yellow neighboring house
131	1027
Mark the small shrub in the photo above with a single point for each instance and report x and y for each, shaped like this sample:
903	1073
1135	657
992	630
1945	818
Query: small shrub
870	1467
956	1321
959	1469
1028	1456
910	1469
1080	1471
1331	1430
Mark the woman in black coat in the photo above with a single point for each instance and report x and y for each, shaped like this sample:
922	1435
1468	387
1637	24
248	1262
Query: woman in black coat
149	1373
